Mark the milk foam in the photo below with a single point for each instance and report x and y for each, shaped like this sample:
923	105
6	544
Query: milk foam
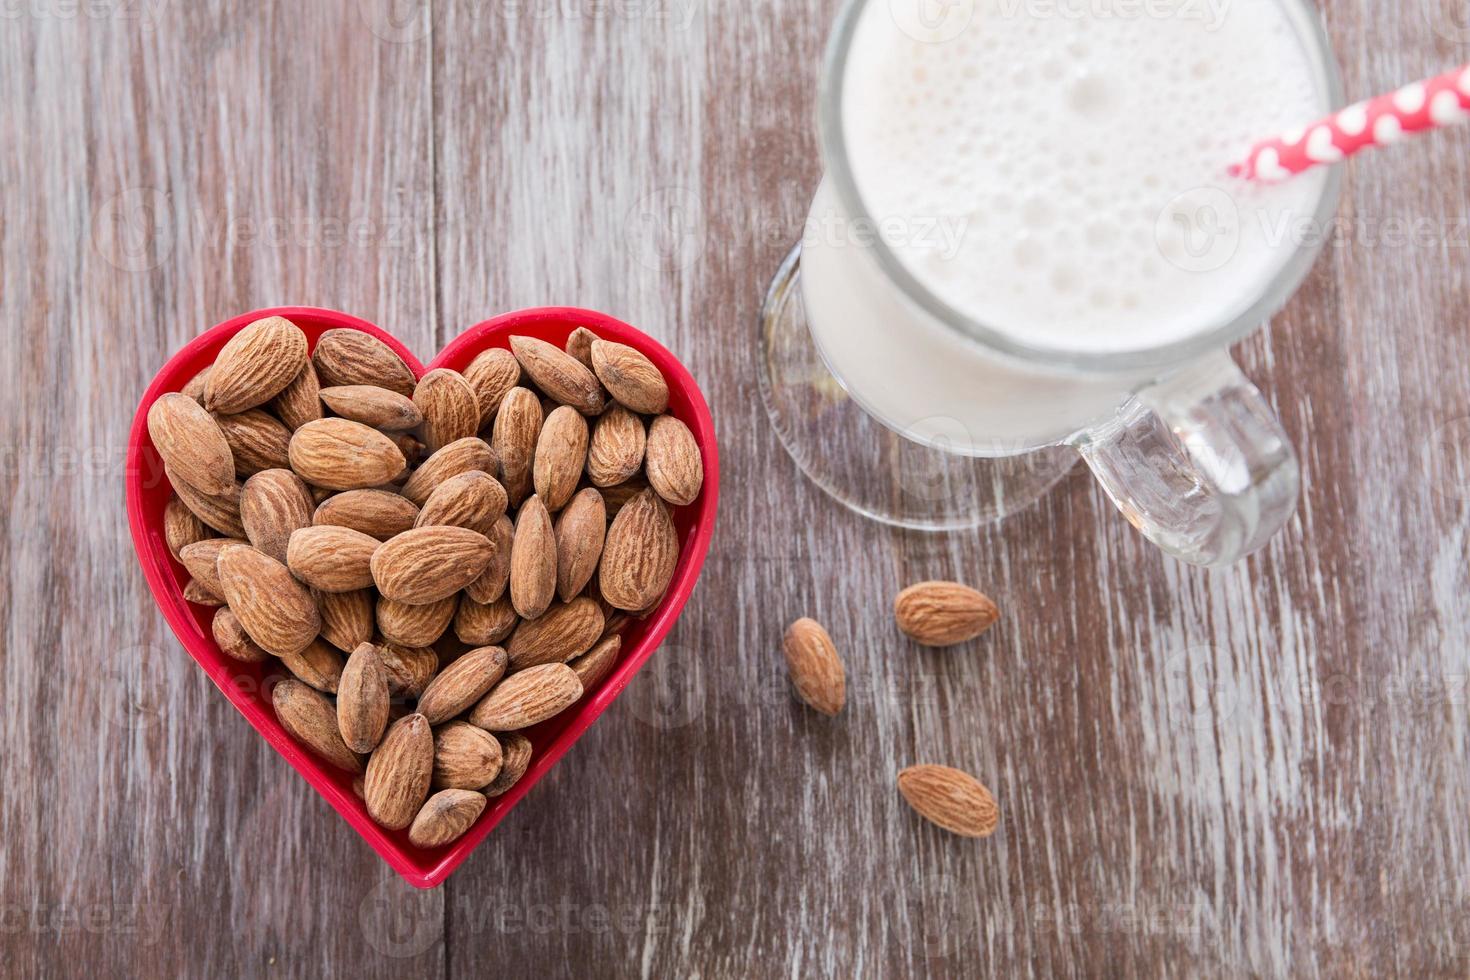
1082	157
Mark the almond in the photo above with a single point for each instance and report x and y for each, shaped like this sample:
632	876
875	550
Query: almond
381	514
221	512
257	441
491	584
415	626
450	409
560	375
362	700
332	559
351	357
565	631
445	817
513	437
413	453
816	669
409	669
181	527
950	799
379	408
255	365
616	449
595	664
233	640
309	718
273	505
274	608
318	665
630	377
515	759
399	772
461	684
533	560
201	595
475	500
527	698
561	453
491	374
941	614
342	455
639	556
347	617
191	444
672	460
454	459
194	387
465	757
429	563
579	345
481	624
300	402
199	558
580	531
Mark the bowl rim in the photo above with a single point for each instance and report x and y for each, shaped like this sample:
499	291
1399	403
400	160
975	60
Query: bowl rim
492	332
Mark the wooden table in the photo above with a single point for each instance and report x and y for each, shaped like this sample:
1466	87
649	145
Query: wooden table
1258	771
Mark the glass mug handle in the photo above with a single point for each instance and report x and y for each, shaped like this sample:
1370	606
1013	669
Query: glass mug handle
1198	462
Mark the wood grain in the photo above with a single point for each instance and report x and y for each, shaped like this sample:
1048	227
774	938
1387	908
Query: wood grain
1262	771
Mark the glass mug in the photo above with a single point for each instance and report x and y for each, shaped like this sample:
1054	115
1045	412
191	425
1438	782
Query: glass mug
912	413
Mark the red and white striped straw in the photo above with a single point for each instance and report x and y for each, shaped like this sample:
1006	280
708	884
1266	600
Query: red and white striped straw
1432	104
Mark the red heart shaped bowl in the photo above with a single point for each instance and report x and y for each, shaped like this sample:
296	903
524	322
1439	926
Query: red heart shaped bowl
248	686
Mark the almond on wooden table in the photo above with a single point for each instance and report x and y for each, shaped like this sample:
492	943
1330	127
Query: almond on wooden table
474	499
484	623
233	640
379	513
515	750
300	402
257	440
492	374
941	614
380	408
332	559
318	664
351	357
527	698
533	560
399	772
564	631
456	458
347	617
415	625
275	609
560	375
429	563
220	512
191	444
672	461
445	817
640	554
181	527
409	669
450	409
274	504
492	582
255	365
362	700
951	799
461	684
561	453
310	719
341	455
816	669
580	531
465	757
513	436
630	377
615	450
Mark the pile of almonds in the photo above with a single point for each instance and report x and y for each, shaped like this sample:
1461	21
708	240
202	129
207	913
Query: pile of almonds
932	614
439	563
